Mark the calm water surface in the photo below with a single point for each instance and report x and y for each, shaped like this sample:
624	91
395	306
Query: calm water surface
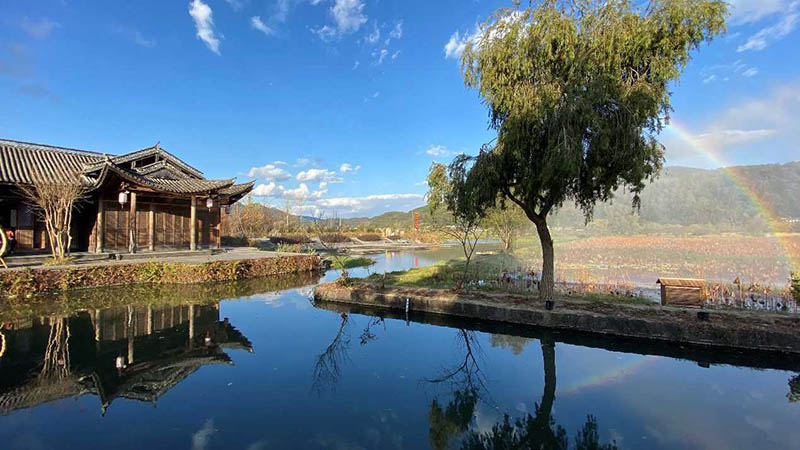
238	366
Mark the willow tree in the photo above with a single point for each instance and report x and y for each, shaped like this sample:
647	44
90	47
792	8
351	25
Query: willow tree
577	92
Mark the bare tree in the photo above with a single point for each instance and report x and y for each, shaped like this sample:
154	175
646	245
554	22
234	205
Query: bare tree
445	190
327	368
251	219
3	246
55	201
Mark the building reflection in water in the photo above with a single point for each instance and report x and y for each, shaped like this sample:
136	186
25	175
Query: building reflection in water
133	352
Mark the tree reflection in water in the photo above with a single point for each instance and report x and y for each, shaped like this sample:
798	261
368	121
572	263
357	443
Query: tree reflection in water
794	389
327	368
538	430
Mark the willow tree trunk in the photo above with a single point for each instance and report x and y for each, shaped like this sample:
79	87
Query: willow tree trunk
547	283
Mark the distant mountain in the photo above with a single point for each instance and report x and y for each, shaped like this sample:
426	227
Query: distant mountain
730	198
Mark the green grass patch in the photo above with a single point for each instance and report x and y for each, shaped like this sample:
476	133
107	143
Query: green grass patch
351	262
446	274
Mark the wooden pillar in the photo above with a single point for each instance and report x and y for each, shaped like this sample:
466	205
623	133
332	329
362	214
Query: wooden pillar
100	225
191	326
193	226
219	226
132	226
149	319
151	227
131	333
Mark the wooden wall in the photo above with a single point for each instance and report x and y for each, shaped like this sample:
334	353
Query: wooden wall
172	226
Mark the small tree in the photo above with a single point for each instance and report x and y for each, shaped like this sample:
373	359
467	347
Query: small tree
505	220
55	201
446	189
795	285
577	92
251	219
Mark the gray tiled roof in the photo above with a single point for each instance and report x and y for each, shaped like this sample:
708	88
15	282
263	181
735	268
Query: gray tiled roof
20	162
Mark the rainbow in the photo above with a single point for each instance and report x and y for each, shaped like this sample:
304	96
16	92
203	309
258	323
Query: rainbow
612	375
779	229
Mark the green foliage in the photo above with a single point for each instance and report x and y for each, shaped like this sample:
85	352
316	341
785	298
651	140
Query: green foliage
577	92
288	248
29	282
795	285
350	262
22	284
448	423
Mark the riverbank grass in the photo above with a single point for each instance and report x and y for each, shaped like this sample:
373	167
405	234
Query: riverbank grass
486	273
351	262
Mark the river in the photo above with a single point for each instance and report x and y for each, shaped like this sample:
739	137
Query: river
255	365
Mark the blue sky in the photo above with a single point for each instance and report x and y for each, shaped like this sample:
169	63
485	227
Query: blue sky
339	105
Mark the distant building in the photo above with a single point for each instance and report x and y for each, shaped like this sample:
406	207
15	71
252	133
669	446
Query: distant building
146	199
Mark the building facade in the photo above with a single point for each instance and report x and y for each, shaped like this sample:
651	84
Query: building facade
143	200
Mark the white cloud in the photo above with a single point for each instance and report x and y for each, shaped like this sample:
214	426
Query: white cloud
749	11
325	33
134	36
455	46
39	29
759	123
374	36
347	167
779	30
750	72
319	176
458	42
270	172
380	55
349	15
730	138
299	194
395	55
302	162
397	31
371	203
265	190
279	163
203	435
259	25
235	4
202	15
738	67
438	151
355	65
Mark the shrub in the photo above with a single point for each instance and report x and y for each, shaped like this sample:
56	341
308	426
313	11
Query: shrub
333	238
289	248
235	241
795	285
370	237
290	239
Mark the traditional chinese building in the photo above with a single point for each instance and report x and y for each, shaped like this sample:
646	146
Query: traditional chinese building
148	199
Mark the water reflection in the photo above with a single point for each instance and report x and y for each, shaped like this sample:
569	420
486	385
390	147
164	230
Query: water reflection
335	376
133	352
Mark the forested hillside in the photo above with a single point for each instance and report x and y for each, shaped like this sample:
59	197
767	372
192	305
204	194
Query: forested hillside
722	199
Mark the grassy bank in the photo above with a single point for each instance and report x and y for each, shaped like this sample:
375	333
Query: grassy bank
351	262
27	283
502	273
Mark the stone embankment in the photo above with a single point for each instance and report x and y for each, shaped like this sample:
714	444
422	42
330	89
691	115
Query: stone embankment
731	329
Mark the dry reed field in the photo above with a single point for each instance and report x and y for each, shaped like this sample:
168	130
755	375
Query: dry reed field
641	259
